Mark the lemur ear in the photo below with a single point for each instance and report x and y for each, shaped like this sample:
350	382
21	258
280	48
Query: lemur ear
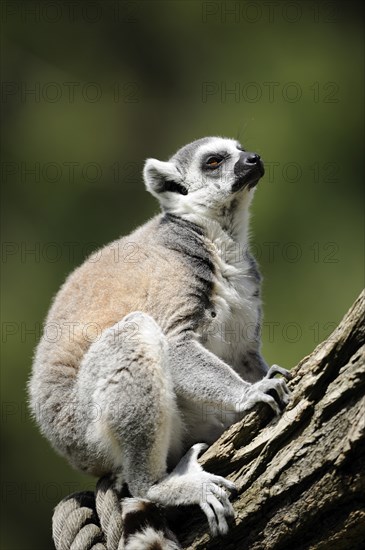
162	176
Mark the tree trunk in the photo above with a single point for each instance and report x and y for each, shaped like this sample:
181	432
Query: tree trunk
300	477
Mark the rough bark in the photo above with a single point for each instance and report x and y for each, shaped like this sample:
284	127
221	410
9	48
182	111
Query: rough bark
300	477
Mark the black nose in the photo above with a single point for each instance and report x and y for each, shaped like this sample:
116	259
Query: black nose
248	170
251	159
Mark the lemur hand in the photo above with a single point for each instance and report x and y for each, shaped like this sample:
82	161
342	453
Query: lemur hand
270	390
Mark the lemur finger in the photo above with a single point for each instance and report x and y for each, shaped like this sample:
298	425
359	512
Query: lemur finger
276	369
267	398
211	517
219	513
284	386
224	500
222	481
286	393
280	388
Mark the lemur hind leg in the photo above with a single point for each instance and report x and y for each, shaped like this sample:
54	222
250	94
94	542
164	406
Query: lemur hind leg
136	421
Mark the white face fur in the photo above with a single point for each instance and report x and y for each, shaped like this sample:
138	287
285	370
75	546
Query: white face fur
211	178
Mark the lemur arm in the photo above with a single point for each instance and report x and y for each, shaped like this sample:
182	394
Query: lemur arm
200	376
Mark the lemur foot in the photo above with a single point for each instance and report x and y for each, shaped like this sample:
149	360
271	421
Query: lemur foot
270	390
189	484
207	490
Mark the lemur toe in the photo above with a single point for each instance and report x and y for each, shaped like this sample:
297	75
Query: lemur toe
276	369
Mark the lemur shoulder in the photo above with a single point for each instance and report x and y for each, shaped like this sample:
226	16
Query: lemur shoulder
155	338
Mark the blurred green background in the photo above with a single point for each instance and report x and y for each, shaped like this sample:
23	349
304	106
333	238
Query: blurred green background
89	90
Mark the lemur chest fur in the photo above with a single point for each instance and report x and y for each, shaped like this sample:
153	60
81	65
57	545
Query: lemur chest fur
231	327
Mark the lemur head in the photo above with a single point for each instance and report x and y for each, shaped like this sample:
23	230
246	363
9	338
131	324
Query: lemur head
212	178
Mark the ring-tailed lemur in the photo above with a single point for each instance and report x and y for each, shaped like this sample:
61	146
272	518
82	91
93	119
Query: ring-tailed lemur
149	353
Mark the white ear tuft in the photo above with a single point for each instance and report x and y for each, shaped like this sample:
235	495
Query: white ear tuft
162	176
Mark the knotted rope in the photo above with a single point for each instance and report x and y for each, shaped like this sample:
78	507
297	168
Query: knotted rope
107	520
88	521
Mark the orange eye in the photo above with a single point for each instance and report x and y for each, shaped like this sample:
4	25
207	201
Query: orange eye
213	162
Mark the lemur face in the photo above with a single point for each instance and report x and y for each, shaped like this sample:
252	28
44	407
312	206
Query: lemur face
204	177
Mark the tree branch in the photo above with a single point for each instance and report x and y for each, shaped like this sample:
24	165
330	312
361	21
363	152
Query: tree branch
300	477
